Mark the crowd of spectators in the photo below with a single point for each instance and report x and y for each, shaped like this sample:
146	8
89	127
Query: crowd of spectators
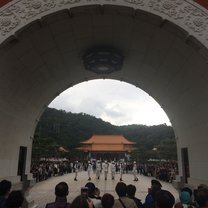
164	171
156	197
90	197
44	170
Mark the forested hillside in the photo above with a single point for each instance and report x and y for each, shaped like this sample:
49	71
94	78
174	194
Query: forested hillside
59	128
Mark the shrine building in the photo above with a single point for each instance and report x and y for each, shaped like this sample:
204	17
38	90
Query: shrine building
108	147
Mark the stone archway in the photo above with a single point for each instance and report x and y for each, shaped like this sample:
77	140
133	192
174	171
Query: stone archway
164	44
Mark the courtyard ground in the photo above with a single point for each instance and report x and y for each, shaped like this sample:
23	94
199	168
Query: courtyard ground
43	192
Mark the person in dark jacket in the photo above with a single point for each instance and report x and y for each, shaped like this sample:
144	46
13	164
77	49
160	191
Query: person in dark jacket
15	199
5	187
164	199
61	192
107	201
150	198
202	197
131	190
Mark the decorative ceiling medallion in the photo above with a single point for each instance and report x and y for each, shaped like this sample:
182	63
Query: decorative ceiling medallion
103	60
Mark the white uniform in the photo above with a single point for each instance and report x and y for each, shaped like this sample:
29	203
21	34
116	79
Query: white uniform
113	170
98	170
89	170
105	170
76	168
134	171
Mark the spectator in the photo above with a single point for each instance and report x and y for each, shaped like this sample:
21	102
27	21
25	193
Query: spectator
92	195
187	190
164	199
15	199
202	197
131	190
107	201
123	201
185	200
150	198
61	192
82	202
5	187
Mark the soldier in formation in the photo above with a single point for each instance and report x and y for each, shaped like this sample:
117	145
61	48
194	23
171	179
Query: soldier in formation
98	169
76	168
113	170
105	169
134	171
89	170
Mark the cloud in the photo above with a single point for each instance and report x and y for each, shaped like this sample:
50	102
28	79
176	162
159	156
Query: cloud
117	102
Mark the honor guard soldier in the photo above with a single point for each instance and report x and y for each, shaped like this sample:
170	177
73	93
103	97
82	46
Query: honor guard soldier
134	171
89	170
98	169
113	170
105	169
76	168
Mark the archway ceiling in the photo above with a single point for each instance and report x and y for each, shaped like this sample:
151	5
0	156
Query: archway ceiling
45	58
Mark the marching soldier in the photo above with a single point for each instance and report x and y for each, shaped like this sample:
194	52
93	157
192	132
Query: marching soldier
134	171
76	168
113	170
105	169
89	170
98	169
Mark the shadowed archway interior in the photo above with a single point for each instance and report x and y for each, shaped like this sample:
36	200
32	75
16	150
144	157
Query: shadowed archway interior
45	58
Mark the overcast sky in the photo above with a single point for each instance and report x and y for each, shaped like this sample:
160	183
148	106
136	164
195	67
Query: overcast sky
116	102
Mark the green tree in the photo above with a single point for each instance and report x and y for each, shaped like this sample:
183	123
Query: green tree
44	147
61	128
167	149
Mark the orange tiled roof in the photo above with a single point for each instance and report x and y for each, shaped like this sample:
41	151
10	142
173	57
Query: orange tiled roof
106	148
112	143
107	139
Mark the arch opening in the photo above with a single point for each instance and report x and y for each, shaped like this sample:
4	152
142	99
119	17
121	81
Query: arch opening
122	107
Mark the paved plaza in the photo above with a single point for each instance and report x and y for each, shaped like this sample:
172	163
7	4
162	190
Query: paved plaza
43	192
